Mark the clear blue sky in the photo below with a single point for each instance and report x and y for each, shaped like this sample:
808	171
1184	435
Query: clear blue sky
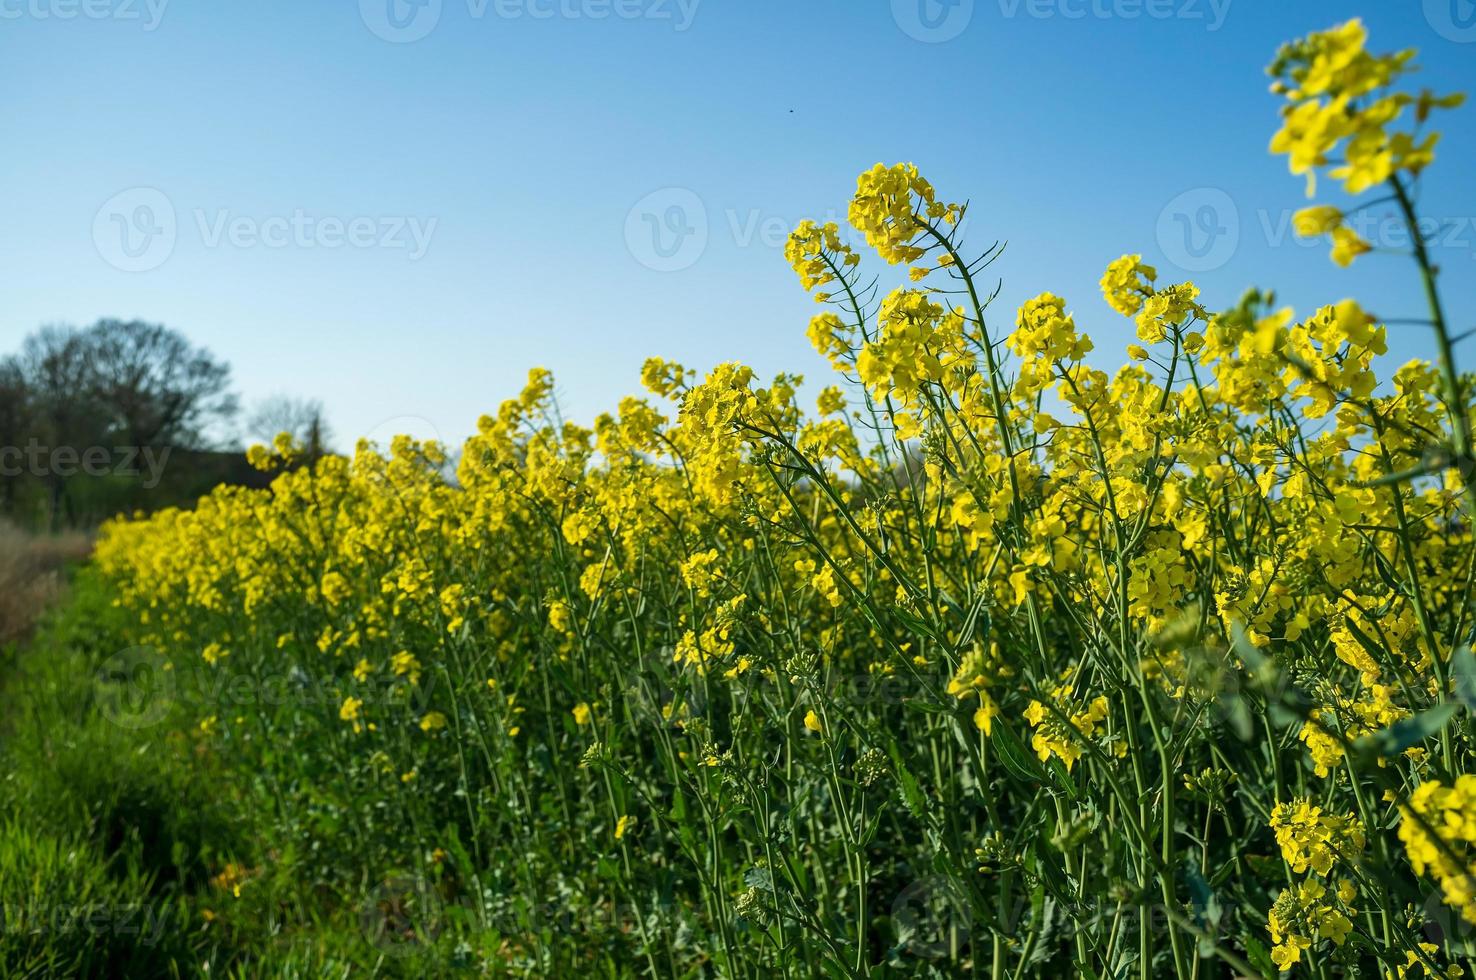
531	132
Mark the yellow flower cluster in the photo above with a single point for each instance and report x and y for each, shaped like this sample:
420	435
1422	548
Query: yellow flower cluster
1253	526
1438	829
1337	94
1313	843
917	341
817	254
977	672
1069	722
894	207
1333	88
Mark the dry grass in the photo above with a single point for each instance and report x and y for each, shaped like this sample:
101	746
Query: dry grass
31	575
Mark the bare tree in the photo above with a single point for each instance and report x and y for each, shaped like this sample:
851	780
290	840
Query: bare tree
157	388
300	418
115	384
57	369
15	423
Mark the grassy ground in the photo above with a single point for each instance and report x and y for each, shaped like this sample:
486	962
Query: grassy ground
31	576
118	838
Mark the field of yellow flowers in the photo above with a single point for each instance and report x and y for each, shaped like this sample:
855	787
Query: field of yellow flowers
994	665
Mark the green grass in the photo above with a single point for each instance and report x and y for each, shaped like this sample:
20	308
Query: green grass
112	835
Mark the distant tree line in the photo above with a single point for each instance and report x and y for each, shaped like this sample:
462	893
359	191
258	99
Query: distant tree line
120	416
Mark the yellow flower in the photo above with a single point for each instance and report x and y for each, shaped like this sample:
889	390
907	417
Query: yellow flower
1448	856
582	714
892	208
1044	330
1052	736
976	673
1318	220
1313	839
560	616
831	401
350	711
1347	245
1331	84
1126	282
622	825
405	664
699	572
1288	953
812	721
432	720
816	252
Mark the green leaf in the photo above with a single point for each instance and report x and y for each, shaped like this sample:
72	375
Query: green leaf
1022	764
1405	733
912	794
1062	775
1463	676
1202	897
1259	956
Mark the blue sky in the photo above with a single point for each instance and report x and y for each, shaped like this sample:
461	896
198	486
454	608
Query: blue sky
399	208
